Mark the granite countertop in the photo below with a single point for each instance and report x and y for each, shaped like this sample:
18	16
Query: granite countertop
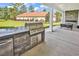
5	32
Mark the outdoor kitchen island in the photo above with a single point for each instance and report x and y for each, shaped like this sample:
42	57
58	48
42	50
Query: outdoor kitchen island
16	41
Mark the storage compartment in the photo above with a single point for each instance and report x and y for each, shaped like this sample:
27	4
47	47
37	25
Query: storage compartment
39	38
27	45
6	47
34	40
19	49
21	41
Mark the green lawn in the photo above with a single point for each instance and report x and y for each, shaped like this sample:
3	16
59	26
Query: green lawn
54	24
11	23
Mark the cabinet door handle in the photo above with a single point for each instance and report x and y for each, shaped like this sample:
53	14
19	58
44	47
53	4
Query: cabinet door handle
3	43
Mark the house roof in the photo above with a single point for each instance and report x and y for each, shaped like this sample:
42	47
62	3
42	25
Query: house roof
32	14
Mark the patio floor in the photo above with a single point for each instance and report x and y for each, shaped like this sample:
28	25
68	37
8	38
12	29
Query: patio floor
62	42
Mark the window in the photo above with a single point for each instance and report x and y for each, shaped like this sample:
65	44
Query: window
32	19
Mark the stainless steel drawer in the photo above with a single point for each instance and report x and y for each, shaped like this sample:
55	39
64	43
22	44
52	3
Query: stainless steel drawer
6	47
20	39
18	49
34	40
39	37
27	44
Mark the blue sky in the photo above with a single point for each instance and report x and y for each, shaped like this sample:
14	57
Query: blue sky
28	4
7	4
4	4
37	6
33	4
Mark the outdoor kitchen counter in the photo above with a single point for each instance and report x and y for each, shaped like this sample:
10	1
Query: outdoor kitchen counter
18	40
11	40
9	33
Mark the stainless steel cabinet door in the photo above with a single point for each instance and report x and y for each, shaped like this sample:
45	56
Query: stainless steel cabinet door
21	41
39	38
6	47
34	40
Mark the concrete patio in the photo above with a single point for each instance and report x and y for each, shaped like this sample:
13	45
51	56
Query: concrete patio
62	42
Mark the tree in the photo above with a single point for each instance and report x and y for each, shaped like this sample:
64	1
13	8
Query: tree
6	16
11	12
47	17
14	10
23	9
17	4
44	10
1	13
58	16
31	8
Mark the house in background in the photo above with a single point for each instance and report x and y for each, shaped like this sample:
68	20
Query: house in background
32	16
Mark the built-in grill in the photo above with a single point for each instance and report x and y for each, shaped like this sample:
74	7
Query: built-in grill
36	32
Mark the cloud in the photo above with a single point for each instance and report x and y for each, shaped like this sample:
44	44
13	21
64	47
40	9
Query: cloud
42	6
36	8
28	4
10	6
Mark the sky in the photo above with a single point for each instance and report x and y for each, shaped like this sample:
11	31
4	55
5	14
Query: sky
37	6
4	4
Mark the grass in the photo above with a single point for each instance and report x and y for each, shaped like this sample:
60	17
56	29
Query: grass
10	23
54	24
13	23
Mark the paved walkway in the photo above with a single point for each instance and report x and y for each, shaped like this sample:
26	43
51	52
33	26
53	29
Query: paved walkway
62	42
